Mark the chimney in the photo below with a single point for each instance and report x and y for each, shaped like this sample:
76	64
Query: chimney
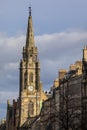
62	73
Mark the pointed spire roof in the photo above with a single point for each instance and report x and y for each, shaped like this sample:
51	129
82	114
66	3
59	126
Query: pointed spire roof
30	33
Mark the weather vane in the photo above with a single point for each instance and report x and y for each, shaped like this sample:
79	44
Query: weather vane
30	10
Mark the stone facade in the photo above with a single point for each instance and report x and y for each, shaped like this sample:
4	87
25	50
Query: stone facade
3	124
12	119
47	117
73	96
31	94
70	103
84	89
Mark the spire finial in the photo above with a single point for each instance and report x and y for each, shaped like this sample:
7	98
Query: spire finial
30	11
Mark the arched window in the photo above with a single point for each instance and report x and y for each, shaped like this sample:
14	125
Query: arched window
31	77
31	108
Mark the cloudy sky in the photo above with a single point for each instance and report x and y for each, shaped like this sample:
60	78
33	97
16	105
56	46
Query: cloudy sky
60	28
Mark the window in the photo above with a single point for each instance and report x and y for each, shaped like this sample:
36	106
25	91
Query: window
25	79
31	108
84	90
31	77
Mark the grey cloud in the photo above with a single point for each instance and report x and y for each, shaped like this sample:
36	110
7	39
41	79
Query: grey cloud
11	66
61	42
59	50
56	51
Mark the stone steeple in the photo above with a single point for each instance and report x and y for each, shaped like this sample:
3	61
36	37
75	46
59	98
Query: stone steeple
31	94
30	33
28	65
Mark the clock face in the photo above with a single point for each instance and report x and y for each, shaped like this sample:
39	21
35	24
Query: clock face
30	88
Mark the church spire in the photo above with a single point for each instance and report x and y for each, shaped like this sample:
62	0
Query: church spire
30	33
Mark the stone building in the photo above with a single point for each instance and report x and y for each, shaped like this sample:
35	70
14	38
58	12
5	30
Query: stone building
70	103
47	117
31	95
3	124
12	118
84	89
73	96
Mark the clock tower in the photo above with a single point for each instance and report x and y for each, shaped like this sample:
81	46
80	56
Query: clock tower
31	94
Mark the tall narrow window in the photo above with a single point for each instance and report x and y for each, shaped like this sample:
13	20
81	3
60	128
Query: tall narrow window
31	77
25	79
31	108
